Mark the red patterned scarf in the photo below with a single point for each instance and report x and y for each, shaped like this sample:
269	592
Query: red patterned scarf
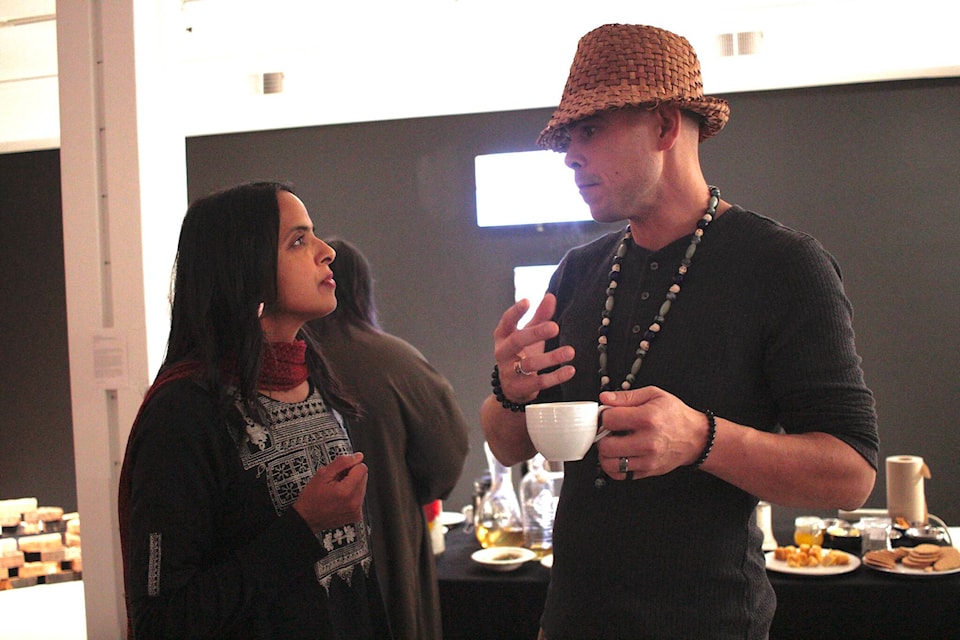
284	366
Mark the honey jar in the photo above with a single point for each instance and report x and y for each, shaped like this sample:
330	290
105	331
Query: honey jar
808	530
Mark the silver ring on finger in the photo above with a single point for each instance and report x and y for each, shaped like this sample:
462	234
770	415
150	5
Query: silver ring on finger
518	368
623	465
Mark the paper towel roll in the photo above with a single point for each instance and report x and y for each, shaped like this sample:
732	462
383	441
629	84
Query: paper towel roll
905	497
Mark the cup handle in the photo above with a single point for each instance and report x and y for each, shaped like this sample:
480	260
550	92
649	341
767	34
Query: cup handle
602	432
943	525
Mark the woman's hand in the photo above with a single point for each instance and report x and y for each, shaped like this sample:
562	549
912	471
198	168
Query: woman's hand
334	496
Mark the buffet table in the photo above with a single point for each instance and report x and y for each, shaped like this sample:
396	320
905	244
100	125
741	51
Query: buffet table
479	604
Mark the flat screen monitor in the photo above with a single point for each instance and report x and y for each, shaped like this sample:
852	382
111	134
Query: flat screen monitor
526	187
531	282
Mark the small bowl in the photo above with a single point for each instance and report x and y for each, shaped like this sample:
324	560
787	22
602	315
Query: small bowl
840	534
503	558
922	534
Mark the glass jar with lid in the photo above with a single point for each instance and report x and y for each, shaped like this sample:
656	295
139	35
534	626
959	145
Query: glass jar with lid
808	530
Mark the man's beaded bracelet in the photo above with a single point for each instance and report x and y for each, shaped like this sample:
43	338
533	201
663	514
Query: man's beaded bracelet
498	393
711	436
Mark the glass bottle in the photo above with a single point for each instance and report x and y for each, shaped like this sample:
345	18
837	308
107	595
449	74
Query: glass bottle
481	485
499	523
539	493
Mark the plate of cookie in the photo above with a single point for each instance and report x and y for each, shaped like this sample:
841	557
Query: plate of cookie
923	560
811	560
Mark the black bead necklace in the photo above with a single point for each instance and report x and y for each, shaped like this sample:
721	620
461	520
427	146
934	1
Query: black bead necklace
654	329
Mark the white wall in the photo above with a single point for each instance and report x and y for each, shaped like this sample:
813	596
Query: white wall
382	60
122	174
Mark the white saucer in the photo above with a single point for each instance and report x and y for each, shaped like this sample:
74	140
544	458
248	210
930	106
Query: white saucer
503	558
451	518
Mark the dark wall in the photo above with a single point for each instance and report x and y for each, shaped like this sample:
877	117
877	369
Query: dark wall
36	429
871	170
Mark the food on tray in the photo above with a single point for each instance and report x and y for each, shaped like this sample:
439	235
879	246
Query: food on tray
810	555
923	557
949	559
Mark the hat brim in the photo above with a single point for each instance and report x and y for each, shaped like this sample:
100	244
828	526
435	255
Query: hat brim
714	113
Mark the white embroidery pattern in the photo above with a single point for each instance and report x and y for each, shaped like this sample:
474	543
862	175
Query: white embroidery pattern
302	438
153	567
256	435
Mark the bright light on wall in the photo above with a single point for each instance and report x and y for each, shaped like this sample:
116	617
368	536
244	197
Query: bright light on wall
531	283
526	187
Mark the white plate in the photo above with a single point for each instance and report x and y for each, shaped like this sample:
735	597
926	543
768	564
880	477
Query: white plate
899	569
451	518
547	561
503	558
781	566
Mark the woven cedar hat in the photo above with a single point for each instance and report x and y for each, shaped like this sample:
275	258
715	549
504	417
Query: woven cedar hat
622	65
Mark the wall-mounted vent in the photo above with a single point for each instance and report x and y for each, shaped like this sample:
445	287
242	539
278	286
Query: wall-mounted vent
272	82
742	43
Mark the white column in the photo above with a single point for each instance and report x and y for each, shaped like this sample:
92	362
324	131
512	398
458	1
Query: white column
124	193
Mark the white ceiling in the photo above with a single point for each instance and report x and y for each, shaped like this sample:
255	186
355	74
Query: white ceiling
386	59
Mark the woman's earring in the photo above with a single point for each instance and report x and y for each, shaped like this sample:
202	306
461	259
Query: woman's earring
260	311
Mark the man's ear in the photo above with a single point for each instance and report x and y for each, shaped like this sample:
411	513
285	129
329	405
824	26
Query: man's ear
670	120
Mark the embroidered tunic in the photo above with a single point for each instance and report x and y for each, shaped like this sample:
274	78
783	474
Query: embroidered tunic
215	549
760	334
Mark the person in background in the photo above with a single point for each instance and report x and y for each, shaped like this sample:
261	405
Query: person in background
241	501
412	433
721	339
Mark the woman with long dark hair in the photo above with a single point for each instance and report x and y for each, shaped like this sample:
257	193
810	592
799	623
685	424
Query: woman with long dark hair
241	498
412	432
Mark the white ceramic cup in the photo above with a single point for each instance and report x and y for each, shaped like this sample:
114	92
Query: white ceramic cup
564	431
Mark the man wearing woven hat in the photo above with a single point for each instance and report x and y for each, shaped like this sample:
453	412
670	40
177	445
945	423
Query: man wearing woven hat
721	339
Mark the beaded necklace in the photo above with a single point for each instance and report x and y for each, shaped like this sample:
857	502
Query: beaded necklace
654	329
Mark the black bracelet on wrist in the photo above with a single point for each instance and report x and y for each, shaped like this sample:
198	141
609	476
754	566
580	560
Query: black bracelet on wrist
498	393
711	436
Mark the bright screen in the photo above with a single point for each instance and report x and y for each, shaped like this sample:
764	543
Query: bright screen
531	283
526	187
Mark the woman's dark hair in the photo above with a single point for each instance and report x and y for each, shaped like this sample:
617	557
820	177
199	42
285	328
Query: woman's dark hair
355	302
226	267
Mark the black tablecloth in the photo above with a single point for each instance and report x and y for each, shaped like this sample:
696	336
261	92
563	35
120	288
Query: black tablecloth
480	604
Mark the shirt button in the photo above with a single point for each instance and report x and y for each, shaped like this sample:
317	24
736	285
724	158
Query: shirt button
654	266
644	295
637	328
